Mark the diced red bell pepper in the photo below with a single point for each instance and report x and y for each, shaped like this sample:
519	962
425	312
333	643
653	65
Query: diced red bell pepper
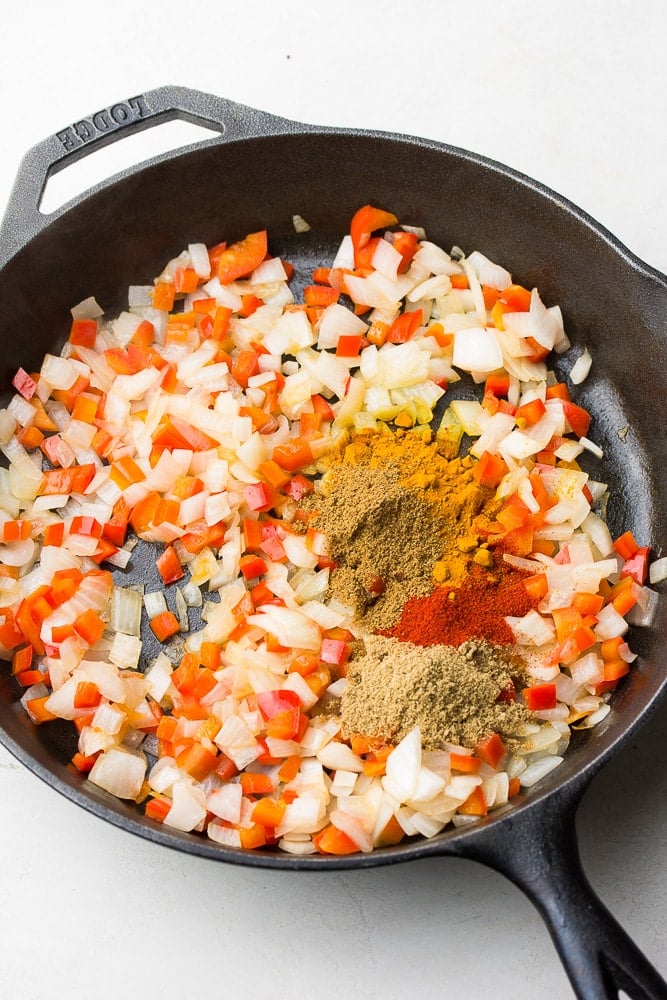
365	222
489	470
279	700
169	566
578	419
24	384
293	455
165	625
75	479
637	565
320	295
252	566
529	413
349	345
407	244
298	487
83	332
405	326
85	525
540	697
491	749
89	626
516	297
239	259
87	695
626	545
335	651
258	496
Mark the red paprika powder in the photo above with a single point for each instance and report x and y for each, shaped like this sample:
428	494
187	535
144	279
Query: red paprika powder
474	610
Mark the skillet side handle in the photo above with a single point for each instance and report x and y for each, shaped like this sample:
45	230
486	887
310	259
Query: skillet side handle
23	220
538	851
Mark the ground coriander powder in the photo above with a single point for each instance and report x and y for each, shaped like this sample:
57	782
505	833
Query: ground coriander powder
454	694
399	517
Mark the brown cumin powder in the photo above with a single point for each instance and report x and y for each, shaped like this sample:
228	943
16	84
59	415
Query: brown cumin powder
455	695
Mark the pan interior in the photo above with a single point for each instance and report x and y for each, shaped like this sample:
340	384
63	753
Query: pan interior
125	232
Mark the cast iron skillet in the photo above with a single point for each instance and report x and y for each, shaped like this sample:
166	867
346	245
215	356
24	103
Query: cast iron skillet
257	172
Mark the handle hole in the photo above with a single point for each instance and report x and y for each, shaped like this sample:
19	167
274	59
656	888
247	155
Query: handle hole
103	163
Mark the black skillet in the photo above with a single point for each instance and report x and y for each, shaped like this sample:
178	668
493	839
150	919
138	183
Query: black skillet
258	171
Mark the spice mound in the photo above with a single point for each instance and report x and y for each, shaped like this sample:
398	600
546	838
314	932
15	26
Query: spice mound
399	517
454	694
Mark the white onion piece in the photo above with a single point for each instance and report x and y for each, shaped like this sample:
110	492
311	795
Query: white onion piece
531	630
658	570
386	259
155	603
290	626
158	677
227	836
351	826
125	651
402	767
304	815
268	272
126	607
125	326
431	288
300	224
200	260
643	617
60	373
375	291
345	255
17	553
476	292
163	774
87	309
21	410
538	770
594	718
337	755
120	772
591	446
599	534
188	807
436	260
429	784
225	802
581	368
489	273
7	426
610	623
497	428
477	350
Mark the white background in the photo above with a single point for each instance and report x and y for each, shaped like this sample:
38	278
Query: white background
572	93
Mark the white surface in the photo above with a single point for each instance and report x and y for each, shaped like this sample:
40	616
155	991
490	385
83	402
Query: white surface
572	94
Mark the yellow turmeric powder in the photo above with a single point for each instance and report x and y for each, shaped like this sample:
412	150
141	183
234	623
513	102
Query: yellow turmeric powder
399	516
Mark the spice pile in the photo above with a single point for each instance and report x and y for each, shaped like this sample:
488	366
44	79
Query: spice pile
455	695
364	635
398	517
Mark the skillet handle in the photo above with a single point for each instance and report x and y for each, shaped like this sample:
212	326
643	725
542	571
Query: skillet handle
23	219
537	850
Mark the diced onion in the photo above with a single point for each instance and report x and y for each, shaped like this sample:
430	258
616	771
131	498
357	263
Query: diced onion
581	368
300	224
658	570
120	772
538	770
